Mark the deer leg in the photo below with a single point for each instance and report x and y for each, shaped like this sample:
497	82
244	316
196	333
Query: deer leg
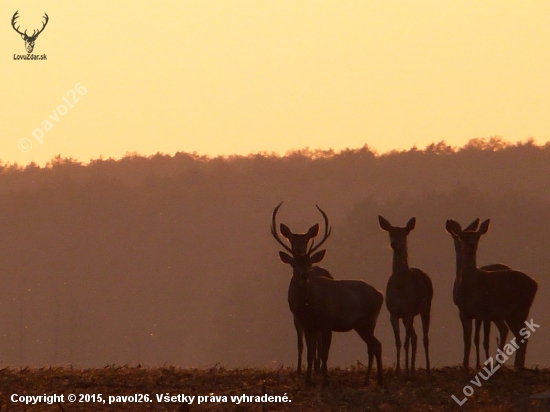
371	355
486	337
515	326
519	362
374	346
326	337
414	346
300	335
311	342
503	331
395	325
374	350
425	317
477	328
409	333
319	345
406	346
467	337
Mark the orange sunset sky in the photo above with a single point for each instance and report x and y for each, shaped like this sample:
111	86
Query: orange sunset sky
247	76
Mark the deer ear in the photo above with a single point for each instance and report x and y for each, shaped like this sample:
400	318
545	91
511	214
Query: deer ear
313	231
23	36
286	258
473	226
318	256
411	224
384	224
484	227
453	227
285	231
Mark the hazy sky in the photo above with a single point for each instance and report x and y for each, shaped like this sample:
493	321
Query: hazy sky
238	77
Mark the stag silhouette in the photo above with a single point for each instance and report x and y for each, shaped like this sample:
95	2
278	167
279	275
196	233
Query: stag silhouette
29	40
323	305
299	243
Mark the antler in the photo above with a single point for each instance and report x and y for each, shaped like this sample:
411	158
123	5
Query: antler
34	33
274	229
15	16
43	26
328	231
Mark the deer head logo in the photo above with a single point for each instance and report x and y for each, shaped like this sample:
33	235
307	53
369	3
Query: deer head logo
29	40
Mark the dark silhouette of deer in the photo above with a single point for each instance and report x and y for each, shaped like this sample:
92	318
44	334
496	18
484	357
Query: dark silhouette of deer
29	40
409	293
451	226
493	296
299	243
323	305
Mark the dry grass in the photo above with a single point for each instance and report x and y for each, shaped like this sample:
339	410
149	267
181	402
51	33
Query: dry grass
346	392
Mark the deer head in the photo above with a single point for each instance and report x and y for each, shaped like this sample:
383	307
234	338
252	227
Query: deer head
299	241
301	258
453	227
398	235
29	40
302	264
469	237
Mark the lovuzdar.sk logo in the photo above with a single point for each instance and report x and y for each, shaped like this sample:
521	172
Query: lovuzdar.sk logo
29	39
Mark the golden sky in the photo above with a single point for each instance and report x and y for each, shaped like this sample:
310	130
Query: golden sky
239	77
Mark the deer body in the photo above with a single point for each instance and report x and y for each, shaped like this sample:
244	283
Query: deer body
475	296
336	305
503	295
409	293
467	322
405	290
324	305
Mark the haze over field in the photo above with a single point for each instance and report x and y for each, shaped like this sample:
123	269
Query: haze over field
170	259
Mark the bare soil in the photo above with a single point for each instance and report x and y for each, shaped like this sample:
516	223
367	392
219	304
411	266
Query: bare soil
504	391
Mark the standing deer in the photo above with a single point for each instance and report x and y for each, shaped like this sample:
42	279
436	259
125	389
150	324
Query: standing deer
451	226
409	292
502	295
299	246
323	305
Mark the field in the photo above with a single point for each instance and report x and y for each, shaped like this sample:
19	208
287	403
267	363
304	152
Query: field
504	391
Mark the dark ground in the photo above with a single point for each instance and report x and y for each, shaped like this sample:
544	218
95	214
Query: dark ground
504	391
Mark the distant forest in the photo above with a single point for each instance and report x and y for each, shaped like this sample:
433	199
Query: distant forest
169	259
